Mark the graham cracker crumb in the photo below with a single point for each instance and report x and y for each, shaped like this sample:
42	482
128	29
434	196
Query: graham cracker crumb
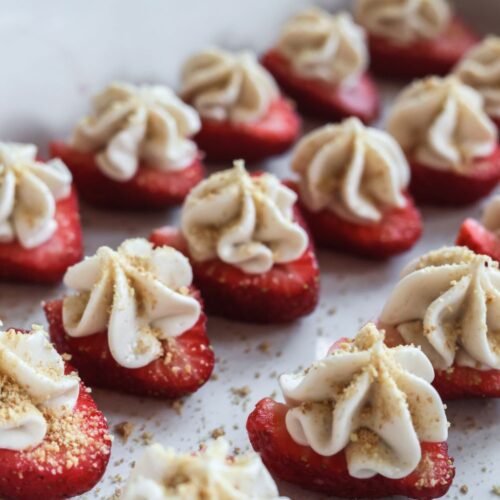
124	430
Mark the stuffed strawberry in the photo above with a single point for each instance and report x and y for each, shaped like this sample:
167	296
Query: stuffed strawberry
320	61
242	112
362	422
483	237
449	141
480	69
251	255
447	303
134	151
54	442
40	232
352	190
135	324
413	38
211	473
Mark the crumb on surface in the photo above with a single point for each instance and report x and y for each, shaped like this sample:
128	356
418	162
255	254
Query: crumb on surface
124	430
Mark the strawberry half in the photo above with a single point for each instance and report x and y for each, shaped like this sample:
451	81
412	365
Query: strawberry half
475	236
271	135
186	365
398	231
302	466
423	58
444	187
318	98
69	462
47	262
149	189
282	294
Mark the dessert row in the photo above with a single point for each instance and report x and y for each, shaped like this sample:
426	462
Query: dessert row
141	147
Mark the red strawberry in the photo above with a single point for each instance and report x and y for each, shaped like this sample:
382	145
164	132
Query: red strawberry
475	236
69	462
315	97
272	135
302	466
186	366
397	232
285	293
148	189
47	262
441	187
423	58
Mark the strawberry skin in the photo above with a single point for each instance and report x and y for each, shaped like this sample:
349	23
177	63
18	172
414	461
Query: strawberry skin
398	231
318	98
70	461
149	189
302	466
423	58
47	262
282	294
186	366
442	187
475	236
271	135
462	382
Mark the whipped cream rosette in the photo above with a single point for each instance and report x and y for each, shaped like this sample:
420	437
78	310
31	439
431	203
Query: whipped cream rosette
132	124
373	402
441	123
448	303
226	86
320	45
480	69
354	171
244	220
32	383
138	294
404	21
211	474
29	191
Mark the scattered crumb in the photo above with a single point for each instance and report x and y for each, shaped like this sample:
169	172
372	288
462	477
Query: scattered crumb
146	438
124	430
264	347
464	489
177	405
241	392
496	490
218	432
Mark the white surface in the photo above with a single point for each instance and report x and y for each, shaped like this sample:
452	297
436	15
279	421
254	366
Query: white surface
55	54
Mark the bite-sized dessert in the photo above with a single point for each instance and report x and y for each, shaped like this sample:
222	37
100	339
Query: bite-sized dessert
320	60
40	232
352	190
135	322
480	69
134	150
448	303
413	38
242	112
483	236
213	473
364	421
54	442
449	141
250	251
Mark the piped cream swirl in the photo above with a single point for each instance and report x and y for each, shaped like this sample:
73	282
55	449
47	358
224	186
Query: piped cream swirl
324	46
355	171
441	123
226	86
132	124
243	220
373	402
138	294
448	302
